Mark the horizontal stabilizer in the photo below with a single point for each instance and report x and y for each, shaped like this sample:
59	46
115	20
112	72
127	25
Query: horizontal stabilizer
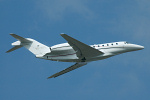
21	39
14	48
37	48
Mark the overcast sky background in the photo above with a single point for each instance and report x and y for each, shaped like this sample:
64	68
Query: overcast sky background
123	77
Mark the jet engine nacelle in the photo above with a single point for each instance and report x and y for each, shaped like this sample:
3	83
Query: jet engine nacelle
61	47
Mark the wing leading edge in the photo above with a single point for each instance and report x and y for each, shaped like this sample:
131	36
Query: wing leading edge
75	66
82	50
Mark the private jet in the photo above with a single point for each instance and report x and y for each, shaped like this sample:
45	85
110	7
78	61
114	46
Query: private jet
73	51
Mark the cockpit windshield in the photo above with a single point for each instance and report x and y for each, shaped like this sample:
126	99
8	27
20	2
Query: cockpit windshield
126	43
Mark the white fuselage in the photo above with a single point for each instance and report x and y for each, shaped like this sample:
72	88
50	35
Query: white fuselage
64	52
73	51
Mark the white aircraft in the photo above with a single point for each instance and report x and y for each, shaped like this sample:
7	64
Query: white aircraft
73	51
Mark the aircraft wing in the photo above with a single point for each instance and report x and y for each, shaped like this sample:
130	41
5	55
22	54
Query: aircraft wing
82	50
75	66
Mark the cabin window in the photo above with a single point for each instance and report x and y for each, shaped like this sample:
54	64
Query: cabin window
107	44
94	46
98	45
103	45
116	43
112	44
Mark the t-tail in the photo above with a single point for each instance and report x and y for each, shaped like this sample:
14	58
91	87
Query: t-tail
38	49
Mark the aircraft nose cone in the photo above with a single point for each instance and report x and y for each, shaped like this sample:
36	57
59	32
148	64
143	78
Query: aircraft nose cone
133	47
139	47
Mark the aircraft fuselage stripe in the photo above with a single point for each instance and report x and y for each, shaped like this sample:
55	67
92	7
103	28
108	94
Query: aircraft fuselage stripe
62	55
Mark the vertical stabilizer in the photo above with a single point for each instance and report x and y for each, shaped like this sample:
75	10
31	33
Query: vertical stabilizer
32	45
